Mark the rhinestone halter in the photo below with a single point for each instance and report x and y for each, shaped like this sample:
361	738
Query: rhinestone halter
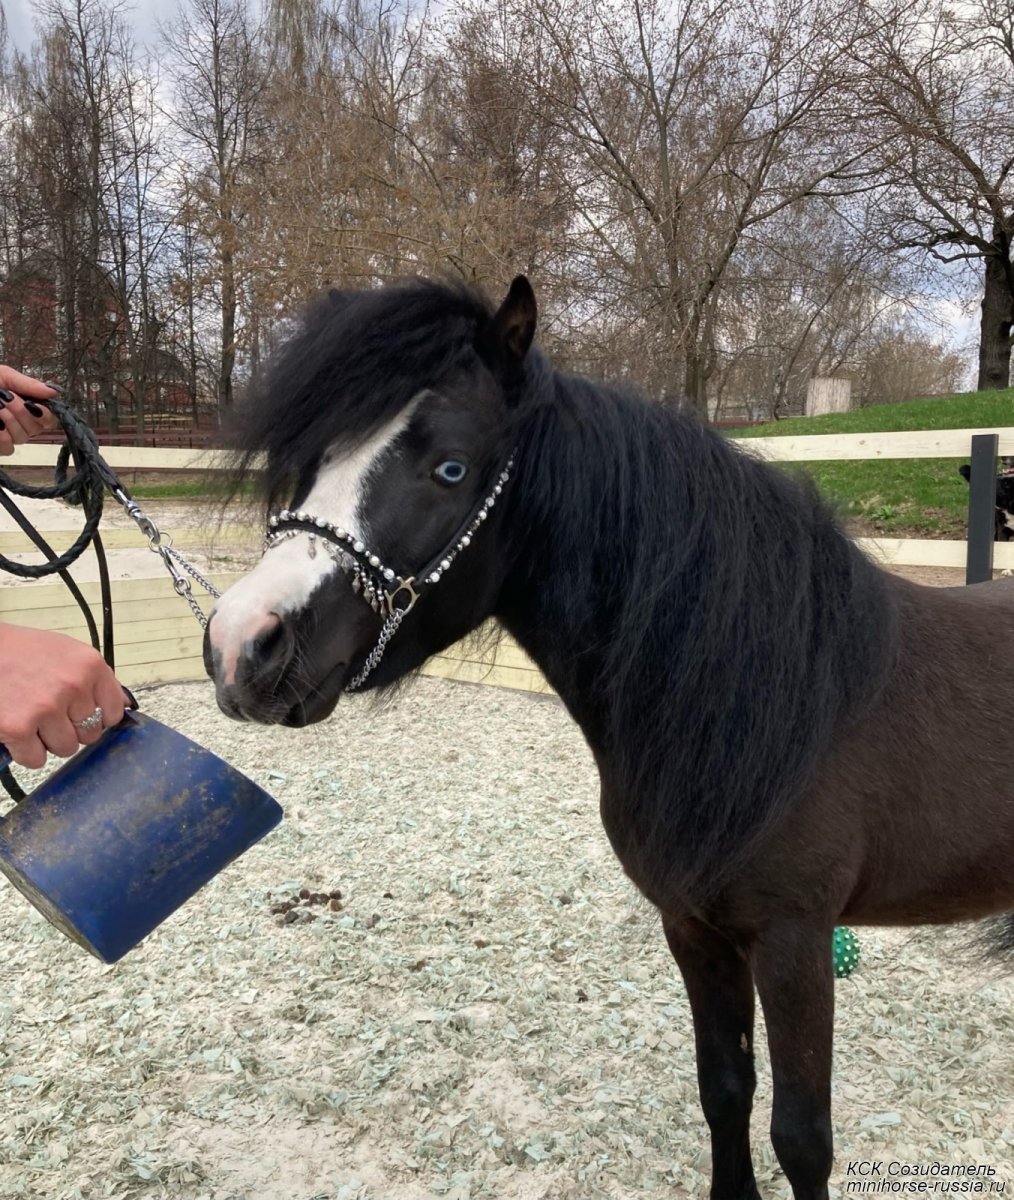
383	589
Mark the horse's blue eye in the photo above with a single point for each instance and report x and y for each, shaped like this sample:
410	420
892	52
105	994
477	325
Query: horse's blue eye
450	472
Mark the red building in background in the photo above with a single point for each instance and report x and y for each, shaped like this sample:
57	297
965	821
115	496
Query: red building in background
28	321
30	342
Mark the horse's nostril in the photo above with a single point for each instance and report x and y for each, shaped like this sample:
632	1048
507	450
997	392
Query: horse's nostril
269	643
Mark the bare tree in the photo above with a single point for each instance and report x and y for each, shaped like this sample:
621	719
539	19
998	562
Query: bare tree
941	81
492	198
140	219
218	109
810	293
92	219
905	362
344	205
23	224
689	126
407	148
69	95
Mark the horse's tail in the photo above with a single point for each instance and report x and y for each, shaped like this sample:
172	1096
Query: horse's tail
996	939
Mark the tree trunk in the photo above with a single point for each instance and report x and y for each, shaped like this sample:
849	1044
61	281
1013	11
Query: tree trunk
695	380
997	319
139	406
228	357
192	378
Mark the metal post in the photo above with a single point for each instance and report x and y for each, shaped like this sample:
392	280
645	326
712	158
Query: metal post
981	508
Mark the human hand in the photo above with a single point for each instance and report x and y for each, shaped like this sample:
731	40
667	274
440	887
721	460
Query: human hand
49	685
20	416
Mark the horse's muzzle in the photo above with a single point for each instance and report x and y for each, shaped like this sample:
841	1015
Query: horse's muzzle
251	685
283	675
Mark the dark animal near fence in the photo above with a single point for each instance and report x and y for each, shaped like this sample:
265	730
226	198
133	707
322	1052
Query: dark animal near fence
1004	523
788	737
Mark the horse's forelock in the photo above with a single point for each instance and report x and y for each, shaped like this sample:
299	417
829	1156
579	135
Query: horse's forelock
351	363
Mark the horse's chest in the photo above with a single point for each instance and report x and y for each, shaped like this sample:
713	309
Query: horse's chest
642	857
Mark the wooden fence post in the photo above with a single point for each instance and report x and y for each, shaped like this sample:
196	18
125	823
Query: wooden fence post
981	508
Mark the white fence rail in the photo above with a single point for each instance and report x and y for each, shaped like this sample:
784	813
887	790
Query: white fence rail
918	443
159	641
911	443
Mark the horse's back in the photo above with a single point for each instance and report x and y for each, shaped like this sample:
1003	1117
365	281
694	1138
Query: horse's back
939	626
927	774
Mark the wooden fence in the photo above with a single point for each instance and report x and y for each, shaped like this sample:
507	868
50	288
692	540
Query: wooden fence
158	640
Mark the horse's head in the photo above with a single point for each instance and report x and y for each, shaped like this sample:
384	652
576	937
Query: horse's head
385	428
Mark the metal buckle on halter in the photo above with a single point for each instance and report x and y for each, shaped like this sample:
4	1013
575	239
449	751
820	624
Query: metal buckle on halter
404	585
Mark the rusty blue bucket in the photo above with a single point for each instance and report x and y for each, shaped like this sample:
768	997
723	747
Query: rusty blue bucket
127	830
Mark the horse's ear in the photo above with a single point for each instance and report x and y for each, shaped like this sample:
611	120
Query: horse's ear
511	330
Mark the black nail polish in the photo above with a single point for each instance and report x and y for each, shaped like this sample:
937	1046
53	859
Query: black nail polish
5	395
2	426
55	387
33	408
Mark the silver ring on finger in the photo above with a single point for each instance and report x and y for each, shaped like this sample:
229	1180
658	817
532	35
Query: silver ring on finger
92	721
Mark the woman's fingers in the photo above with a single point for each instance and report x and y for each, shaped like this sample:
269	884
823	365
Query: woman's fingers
22	419
27	751
13	430
110	698
59	735
25	385
89	726
53	687
64	734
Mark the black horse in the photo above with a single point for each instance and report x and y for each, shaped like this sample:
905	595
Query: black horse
1003	513
787	737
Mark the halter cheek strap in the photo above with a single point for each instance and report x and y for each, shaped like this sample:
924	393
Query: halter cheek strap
369	576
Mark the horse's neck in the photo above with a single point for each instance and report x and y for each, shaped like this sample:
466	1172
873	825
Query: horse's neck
708	658
636	582
550	603
569	658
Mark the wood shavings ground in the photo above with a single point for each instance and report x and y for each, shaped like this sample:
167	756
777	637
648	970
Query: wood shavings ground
486	1011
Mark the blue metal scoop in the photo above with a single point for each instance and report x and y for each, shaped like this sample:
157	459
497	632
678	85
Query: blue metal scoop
126	831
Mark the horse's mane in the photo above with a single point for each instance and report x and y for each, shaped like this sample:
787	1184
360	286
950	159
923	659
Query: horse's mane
734	622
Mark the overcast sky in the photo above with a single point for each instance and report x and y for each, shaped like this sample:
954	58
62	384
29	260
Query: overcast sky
143	16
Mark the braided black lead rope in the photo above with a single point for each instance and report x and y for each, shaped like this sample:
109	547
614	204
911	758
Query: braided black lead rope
85	488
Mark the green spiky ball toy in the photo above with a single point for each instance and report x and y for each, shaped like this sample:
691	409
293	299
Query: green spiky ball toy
845	950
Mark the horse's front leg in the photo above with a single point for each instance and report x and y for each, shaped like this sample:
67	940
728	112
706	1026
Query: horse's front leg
720	989
793	967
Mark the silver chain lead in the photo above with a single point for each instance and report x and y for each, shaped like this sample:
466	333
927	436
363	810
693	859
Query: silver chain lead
158	545
377	653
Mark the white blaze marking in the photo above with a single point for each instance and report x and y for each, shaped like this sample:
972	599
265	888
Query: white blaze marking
286	576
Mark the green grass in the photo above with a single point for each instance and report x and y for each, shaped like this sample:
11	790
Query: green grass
207	487
169	490
923	497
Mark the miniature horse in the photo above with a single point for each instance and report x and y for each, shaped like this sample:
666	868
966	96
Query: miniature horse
785	734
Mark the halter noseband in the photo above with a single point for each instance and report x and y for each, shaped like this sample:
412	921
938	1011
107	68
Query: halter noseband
369	575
